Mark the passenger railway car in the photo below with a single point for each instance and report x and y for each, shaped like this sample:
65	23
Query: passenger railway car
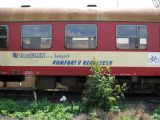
56	41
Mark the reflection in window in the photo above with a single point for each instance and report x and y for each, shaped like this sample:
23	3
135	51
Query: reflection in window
3	36
36	36
81	36
131	36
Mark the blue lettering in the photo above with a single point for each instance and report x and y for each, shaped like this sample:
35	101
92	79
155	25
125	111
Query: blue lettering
85	62
79	62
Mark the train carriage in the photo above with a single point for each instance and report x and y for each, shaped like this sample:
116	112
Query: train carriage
57	42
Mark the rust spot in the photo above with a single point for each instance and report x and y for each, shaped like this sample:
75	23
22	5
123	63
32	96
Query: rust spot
52	14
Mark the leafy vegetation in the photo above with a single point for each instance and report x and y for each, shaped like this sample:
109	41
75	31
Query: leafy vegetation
40	110
45	110
103	91
156	114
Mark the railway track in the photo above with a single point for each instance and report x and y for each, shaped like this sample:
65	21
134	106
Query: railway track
54	96
148	101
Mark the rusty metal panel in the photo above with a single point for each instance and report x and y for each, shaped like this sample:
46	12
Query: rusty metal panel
53	14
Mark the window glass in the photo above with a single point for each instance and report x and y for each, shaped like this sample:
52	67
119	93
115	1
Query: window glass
131	36
3	36
142	31
124	31
36	36
81	36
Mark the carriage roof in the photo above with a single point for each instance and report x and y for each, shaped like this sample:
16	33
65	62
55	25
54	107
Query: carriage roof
80	10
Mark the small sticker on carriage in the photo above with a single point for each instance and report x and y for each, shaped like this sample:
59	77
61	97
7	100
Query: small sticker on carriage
28	55
154	58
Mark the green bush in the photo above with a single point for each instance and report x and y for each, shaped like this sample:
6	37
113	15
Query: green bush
156	114
127	117
93	115
38	110
103	91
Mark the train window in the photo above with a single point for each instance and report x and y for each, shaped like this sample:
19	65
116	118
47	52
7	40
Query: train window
36	36
3	36
81	36
131	36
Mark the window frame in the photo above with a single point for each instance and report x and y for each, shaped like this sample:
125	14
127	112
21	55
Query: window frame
51	28
137	25
96	30
6	36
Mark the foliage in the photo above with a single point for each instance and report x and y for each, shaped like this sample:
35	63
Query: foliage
156	114
115	109
40	110
127	117
130	111
93	115
103	91
45	110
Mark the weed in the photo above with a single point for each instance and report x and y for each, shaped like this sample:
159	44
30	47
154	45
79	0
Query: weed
103	91
156	114
40	110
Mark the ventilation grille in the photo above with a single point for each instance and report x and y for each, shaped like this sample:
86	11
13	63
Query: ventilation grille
92	5
25	6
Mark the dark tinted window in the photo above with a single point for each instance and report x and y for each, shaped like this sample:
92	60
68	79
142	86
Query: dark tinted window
36	36
3	36
81	36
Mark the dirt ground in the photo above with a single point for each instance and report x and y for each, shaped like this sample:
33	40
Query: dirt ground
141	109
